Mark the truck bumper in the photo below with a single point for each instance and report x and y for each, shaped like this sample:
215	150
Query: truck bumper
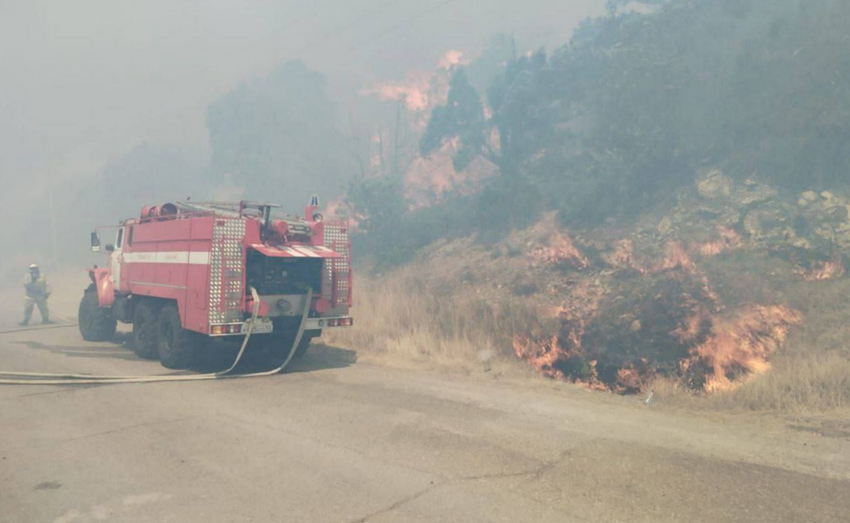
324	323
265	326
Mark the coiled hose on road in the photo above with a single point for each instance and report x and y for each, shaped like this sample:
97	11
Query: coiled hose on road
41	378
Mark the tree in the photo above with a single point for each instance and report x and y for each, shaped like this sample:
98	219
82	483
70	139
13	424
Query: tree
462	117
279	137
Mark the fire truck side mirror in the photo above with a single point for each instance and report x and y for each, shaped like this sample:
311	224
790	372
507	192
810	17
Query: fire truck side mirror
95	242
110	247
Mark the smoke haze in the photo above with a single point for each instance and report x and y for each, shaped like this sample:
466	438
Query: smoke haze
104	105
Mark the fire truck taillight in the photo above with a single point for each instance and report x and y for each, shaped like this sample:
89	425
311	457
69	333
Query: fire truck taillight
218	330
341	322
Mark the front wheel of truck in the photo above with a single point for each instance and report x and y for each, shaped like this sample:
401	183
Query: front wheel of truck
96	323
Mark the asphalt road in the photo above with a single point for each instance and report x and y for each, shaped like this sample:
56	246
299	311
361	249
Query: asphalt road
339	441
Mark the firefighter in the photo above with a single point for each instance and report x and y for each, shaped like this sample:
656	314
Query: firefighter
38	290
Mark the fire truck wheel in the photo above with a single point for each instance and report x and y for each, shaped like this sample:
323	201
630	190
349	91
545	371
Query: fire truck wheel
96	324
277	346
176	345
306	340
145	331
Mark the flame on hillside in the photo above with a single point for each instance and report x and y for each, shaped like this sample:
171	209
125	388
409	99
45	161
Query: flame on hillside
452	58
428	178
560	250
414	91
733	352
421	91
740	348
553	358
729	239
676	257
623	257
823	271
706	350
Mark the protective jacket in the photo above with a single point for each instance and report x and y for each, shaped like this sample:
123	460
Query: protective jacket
37	289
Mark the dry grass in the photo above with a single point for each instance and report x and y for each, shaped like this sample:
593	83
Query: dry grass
409	319
816	384
810	375
404	317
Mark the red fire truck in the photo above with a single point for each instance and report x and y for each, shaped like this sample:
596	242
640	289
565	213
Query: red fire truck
185	272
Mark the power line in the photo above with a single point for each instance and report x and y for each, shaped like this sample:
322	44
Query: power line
341	29
402	23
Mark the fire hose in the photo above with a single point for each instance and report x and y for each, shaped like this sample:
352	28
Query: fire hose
34	378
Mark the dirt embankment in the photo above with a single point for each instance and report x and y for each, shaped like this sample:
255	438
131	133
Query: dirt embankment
730	294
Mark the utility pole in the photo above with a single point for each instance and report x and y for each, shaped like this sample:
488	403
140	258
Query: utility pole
400	101
381	150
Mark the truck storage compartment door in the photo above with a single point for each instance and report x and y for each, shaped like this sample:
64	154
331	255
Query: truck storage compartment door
296	251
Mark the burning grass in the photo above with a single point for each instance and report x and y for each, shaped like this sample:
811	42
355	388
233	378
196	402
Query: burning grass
739	348
716	323
823	270
559	250
761	358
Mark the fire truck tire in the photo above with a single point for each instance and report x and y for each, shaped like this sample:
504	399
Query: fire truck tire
176	345
145	341
306	340
96	323
278	345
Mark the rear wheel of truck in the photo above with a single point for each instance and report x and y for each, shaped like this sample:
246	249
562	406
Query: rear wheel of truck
176	345
306	340
96	323
279	345
145	327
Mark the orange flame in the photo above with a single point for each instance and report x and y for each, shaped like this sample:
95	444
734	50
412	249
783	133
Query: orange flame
560	250
741	348
421	91
676	257
623	257
549	357
428	178
729	239
822	271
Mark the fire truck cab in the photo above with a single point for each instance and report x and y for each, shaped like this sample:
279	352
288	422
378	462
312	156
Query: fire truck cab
183	273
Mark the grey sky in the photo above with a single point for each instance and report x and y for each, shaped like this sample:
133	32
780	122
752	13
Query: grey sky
83	81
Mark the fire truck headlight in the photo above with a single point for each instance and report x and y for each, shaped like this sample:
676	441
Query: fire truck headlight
318	218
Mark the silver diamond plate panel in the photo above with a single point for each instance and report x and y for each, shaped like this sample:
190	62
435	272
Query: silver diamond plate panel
336	239
226	271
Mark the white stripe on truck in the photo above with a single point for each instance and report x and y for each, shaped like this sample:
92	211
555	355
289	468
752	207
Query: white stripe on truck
190	257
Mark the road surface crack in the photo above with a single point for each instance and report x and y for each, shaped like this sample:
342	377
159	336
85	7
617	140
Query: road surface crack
403	501
535	473
128	427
